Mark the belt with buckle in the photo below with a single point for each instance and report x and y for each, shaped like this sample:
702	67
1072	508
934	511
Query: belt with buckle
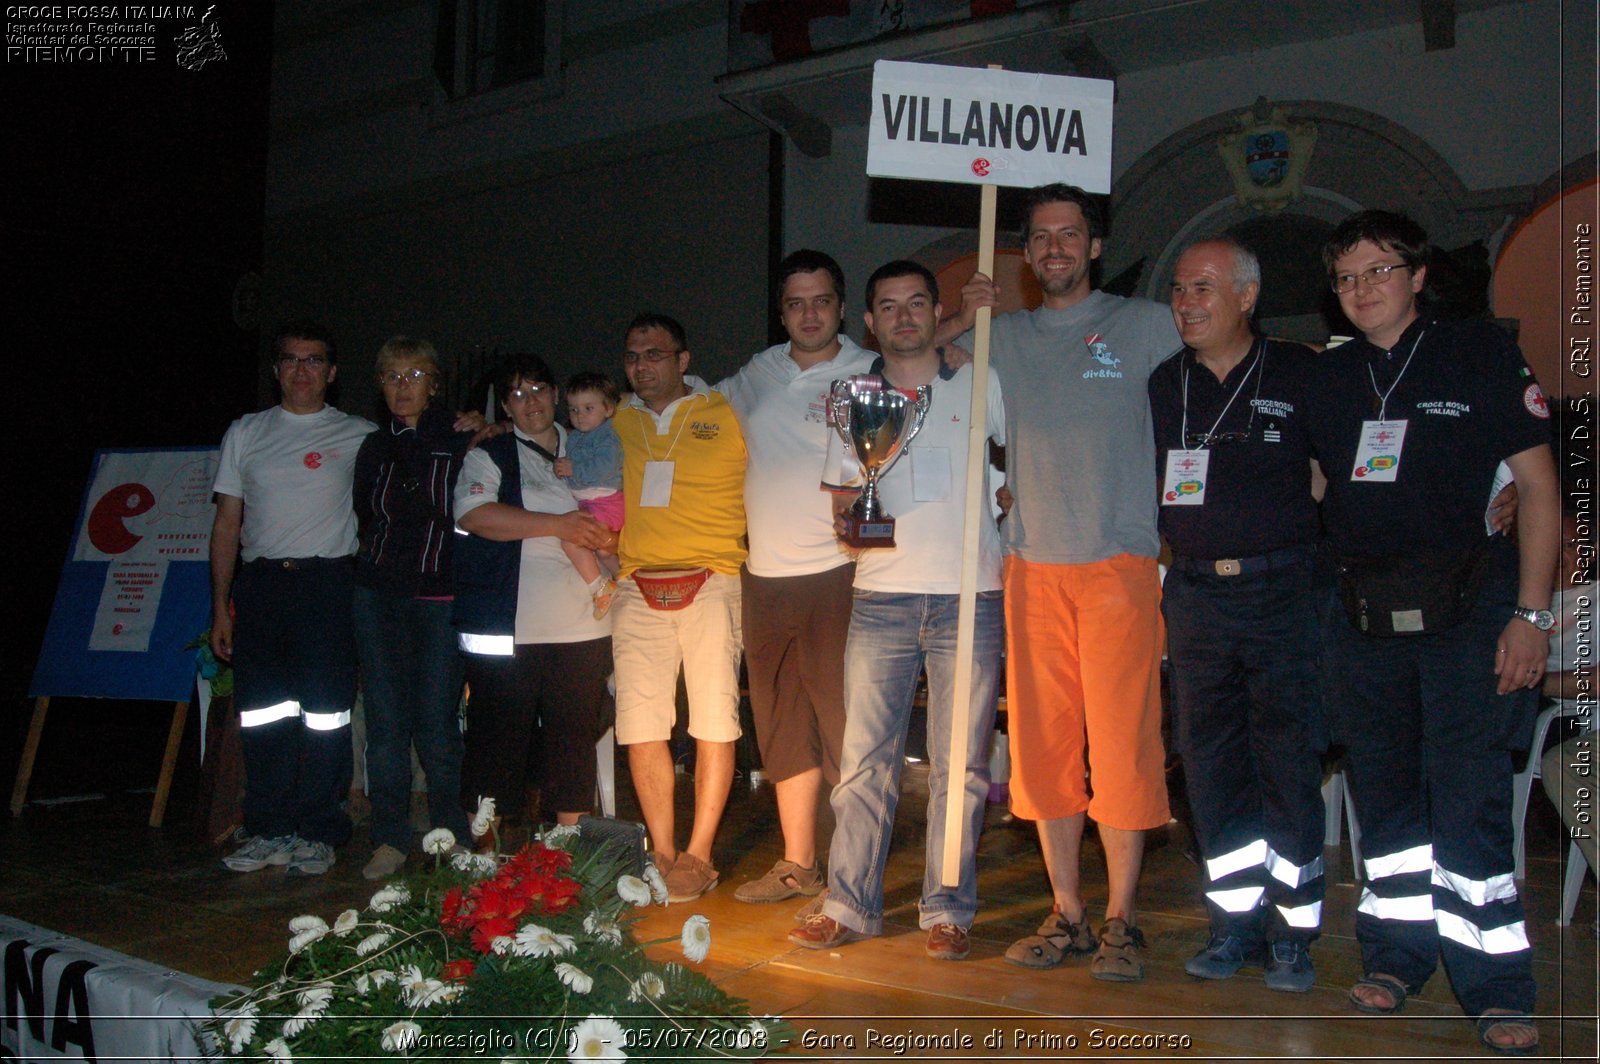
298	564
1278	559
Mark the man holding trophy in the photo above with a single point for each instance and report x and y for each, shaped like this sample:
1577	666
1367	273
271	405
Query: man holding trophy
905	611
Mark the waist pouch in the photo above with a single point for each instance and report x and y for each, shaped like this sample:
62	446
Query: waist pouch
670	589
1412	594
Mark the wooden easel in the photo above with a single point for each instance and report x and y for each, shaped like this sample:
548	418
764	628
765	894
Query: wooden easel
169	760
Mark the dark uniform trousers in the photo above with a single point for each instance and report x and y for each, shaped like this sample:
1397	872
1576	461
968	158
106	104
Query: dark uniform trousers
294	684
1433	793
1244	652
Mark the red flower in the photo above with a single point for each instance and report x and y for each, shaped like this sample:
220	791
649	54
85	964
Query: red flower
450	913
561	895
485	932
459	971
498	900
529	881
547	860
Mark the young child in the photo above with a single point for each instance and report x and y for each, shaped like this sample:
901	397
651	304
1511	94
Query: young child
593	469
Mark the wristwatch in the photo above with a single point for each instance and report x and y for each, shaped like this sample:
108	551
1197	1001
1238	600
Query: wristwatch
1543	620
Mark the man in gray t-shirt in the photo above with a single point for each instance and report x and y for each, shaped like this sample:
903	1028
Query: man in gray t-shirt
1083	624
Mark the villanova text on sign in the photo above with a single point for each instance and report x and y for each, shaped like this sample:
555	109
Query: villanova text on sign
909	118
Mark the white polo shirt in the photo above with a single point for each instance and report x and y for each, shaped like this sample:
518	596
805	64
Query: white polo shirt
783	410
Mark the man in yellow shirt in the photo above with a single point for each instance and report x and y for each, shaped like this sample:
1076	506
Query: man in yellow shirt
683	541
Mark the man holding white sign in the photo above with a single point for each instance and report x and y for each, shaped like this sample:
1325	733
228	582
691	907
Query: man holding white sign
1083	623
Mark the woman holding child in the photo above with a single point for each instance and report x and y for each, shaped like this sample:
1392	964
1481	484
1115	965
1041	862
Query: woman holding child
537	655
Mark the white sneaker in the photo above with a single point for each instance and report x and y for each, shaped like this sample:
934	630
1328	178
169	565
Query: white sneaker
258	852
310	859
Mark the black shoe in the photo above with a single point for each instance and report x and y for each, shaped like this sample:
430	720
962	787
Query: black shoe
1289	968
1222	956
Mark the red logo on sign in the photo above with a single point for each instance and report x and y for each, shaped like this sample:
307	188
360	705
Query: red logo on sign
980	167
116	629
313	459
106	525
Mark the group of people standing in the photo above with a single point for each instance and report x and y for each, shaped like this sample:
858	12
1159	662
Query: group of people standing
1123	421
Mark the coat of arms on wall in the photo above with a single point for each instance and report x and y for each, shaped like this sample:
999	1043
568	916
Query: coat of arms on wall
1268	155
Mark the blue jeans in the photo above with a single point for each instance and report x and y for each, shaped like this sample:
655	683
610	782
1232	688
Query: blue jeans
411	690
892	637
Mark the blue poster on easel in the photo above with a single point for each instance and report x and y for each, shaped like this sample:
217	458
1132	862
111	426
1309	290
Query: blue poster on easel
136	588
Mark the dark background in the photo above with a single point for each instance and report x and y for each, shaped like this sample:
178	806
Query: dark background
133	206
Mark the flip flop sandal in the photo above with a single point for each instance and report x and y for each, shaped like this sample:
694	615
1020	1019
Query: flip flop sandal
1389	985
1055	941
1490	1020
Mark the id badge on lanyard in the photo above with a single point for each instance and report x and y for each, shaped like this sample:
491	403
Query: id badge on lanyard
1378	453
1185	480
657	488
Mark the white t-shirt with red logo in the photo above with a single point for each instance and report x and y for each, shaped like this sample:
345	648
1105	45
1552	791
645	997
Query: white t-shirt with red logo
294	473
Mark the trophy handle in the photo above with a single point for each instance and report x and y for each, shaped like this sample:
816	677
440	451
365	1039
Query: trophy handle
919	413
839	405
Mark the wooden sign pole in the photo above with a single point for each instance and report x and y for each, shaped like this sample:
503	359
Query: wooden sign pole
30	750
169	759
966	618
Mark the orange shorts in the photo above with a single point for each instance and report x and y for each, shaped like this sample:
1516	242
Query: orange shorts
1083	668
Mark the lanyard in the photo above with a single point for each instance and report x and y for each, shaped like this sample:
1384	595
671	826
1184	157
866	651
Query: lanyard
1383	396
648	450
1261	358
537	448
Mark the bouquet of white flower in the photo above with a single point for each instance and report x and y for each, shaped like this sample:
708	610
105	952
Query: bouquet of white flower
529	956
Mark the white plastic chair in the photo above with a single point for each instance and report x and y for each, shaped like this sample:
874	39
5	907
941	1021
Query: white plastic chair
1522	782
1577	865
1336	800
606	775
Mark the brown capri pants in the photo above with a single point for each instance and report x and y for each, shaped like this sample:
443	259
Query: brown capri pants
794	635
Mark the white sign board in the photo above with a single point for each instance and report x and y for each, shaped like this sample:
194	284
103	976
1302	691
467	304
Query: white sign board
978	126
70	1000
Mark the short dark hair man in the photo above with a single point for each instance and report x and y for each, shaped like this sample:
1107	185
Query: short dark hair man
283	502
683	472
1242	627
796	584
904	618
1083	624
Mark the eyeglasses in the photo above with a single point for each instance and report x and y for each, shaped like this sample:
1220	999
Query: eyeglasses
1372	278
527	393
653	355
395	378
309	362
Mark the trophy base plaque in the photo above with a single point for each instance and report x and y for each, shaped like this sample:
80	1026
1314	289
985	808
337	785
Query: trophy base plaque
863	534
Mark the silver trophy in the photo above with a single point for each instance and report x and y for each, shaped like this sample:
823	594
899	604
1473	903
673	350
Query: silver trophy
877	423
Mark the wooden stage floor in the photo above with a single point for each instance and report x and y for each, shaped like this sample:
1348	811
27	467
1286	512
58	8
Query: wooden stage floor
94	870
